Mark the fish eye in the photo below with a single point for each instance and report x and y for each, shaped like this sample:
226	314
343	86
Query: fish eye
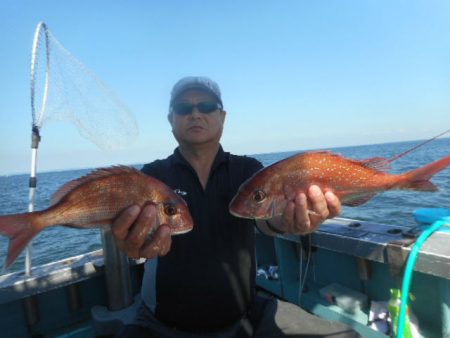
259	195
170	209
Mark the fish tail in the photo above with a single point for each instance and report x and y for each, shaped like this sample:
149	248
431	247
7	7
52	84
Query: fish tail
20	228
418	179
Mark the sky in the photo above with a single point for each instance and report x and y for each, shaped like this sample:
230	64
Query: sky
294	75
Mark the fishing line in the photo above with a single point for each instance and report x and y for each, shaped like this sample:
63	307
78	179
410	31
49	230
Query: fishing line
302	279
415	147
300	275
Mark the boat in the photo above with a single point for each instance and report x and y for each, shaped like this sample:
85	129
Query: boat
337	273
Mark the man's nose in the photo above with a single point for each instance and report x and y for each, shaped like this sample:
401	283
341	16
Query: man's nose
195	112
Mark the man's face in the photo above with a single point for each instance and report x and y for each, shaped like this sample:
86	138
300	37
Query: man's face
197	128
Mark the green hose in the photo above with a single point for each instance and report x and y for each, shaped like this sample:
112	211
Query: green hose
409	270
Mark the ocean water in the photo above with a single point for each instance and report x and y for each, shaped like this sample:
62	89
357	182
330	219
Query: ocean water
391	207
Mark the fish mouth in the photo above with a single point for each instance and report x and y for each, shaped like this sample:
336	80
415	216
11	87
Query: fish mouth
180	232
237	214
253	213
239	211
231	207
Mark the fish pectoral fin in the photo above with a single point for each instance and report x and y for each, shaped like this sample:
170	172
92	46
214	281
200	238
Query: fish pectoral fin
357	199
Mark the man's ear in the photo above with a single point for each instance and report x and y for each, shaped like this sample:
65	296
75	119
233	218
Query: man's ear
169	118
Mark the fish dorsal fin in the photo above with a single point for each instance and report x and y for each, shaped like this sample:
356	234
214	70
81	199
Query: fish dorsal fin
94	175
377	163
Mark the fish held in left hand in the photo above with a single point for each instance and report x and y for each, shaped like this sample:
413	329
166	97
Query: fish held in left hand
354	182
95	200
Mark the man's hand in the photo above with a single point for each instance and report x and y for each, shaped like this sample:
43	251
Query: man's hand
131	228
305	214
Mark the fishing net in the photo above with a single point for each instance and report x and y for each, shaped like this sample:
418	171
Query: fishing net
63	89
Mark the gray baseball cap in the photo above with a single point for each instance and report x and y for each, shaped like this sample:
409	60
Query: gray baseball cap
196	82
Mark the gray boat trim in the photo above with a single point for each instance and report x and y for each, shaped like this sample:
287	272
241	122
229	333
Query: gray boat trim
367	240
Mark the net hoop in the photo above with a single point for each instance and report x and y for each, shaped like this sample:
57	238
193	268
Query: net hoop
64	89
41	33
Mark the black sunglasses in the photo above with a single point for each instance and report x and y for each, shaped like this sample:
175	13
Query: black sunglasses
186	108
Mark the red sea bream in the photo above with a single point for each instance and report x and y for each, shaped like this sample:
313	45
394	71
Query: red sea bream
354	182
95	200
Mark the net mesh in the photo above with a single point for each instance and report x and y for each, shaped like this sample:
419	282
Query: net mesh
63	89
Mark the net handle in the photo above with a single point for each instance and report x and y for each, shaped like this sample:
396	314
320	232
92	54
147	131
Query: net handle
36	123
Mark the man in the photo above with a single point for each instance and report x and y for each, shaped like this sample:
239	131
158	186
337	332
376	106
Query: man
202	284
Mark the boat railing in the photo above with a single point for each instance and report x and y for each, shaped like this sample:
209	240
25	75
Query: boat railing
366	241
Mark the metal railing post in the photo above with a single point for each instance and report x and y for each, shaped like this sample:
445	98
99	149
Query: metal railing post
117	272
